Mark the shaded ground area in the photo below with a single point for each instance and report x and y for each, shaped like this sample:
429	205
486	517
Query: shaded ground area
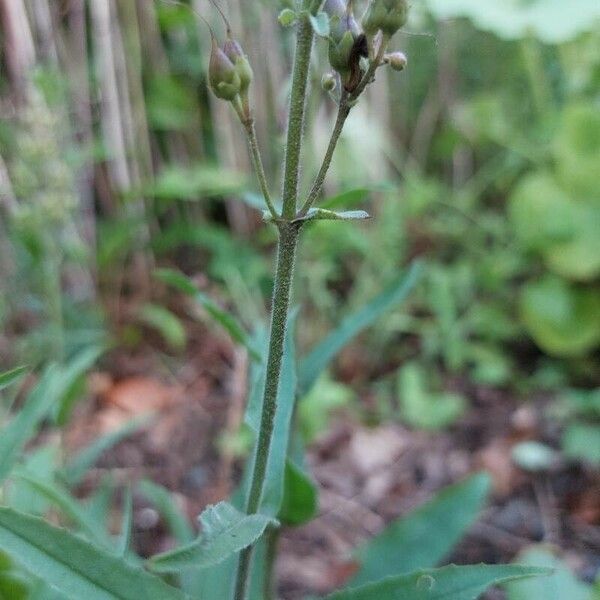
367	476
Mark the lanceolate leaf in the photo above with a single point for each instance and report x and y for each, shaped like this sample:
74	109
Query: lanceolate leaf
447	583
73	566
274	483
561	585
39	402
9	377
127	519
322	214
225	531
318	359
224	319
425	536
69	507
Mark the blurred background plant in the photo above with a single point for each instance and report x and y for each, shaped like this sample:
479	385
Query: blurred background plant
115	160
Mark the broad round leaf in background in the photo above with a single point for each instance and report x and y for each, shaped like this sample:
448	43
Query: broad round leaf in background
551	21
577	151
562	318
541	213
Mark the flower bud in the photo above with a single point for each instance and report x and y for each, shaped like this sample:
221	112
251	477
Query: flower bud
223	76
396	60
346	43
236	55
385	15
328	82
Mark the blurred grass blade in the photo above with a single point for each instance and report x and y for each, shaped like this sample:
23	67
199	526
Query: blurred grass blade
69	507
179	281
73	566
448	583
73	378
164	322
24	425
77	467
562	584
11	377
320	357
225	531
126	523
424	537
163	500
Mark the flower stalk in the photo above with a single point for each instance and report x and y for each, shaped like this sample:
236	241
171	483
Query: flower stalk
353	57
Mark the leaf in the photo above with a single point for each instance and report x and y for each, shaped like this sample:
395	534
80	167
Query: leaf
320	357
72	379
11	377
73	566
321	214
23	426
179	281
540	212
564	320
544	19
317	408
320	23
225	531
68	505
74	471
577	150
560	585
448	583
581	441
40	463
126	523
300	497
578	258
425	536
423	408
166	323
286	395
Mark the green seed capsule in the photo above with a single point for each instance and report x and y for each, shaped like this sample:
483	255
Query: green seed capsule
236	55
387	16
223	76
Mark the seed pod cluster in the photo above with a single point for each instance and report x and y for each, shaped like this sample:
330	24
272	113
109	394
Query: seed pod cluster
229	71
387	16
347	42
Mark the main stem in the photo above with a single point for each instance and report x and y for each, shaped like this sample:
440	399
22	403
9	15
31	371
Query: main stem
296	117
286	254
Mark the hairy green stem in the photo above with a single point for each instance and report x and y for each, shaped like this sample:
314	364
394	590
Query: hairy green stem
347	101
258	165
286	254
343	112
295	128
